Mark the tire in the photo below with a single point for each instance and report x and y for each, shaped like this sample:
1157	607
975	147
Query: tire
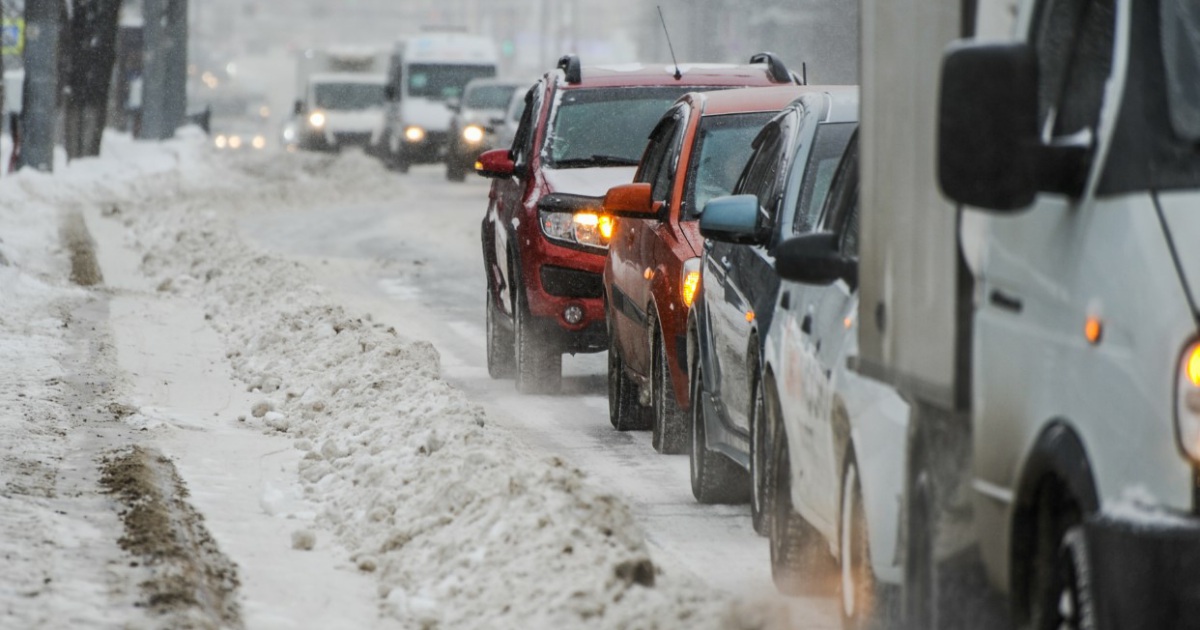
715	478
538	366
1067	603
797	562
624	411
760	469
856	585
670	422
501	361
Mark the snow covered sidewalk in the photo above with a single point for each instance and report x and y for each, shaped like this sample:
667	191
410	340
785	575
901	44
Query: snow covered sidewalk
457	523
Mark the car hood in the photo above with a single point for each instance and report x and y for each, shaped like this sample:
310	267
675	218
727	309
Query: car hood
593	182
1182	222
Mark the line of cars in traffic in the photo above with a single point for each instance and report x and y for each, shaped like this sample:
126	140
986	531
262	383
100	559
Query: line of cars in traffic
648	211
953	350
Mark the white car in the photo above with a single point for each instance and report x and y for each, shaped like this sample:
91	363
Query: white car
836	437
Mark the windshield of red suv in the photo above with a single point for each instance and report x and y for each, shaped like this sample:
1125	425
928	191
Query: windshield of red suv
606	126
722	148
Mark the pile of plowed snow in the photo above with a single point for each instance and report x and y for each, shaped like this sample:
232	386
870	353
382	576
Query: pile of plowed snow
461	524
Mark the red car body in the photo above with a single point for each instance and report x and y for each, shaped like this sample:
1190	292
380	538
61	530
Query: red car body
546	294
701	143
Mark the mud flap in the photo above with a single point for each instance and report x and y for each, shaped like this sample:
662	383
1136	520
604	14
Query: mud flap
1145	574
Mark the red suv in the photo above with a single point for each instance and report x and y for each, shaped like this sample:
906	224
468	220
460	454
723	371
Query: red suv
695	154
545	237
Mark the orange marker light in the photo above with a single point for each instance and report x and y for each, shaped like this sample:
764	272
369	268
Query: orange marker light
749	316
1193	365
606	227
691	282
1093	329
848	322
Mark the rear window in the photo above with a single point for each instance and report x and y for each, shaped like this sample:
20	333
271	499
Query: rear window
489	96
606	126
722	148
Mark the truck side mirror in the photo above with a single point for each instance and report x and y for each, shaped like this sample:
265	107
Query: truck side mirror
814	258
988	126
731	220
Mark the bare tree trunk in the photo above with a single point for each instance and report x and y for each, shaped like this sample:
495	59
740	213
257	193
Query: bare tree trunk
91	53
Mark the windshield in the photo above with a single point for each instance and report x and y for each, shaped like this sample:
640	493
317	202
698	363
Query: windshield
443	81
489	96
606	126
349	95
722	150
1180	21
810	178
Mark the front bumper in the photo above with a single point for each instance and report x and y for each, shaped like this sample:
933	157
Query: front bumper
1145	572
557	277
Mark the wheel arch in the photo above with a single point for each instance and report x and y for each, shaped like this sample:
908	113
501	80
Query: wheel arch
1057	463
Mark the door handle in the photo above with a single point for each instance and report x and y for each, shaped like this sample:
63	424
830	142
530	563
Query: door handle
806	324
1006	301
726	263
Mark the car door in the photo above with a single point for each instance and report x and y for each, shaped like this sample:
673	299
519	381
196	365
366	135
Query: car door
632	244
507	195
734	268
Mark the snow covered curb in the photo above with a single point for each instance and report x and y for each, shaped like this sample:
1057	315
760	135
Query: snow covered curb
462	526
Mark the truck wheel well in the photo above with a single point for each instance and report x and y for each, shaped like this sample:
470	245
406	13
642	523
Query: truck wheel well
1056	490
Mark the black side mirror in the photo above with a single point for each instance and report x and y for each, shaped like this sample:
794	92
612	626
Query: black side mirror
988	126
814	258
298	107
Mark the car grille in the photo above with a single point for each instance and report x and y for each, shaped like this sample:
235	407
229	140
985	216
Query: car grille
571	283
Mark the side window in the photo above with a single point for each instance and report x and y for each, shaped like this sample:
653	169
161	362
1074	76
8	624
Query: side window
849	238
762	172
840	212
1074	43
658	161
523	139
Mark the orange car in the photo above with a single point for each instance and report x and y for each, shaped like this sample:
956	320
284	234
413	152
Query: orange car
652	273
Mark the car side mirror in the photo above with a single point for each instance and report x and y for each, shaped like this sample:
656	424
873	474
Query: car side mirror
298	107
814	258
495	164
732	219
631	201
389	92
988	126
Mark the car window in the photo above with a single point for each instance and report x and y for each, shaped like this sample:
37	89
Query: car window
523	140
816	174
348	95
1074	43
719	153
762	171
487	96
842	199
656	161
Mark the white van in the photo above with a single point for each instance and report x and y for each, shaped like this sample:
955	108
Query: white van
425	79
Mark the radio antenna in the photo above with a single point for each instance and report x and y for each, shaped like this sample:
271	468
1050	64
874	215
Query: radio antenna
678	73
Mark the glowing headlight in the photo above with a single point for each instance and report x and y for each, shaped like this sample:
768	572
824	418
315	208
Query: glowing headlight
1187	402
289	135
584	228
259	142
689	282
235	142
317	119
414	134
221	141
472	133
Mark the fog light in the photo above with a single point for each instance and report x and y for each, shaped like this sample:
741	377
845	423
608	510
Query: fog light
573	314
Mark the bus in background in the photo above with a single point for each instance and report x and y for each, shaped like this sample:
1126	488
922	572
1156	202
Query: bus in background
426	77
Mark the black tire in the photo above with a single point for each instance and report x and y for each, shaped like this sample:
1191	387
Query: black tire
624	411
715	478
857	590
539	366
760	464
1066	603
501	361
798	564
670	421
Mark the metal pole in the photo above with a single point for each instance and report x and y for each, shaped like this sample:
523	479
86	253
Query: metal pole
154	70
176	61
40	106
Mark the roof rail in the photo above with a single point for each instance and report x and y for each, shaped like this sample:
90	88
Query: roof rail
775	68
570	66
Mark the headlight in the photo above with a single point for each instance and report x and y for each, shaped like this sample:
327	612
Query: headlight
289	134
1187	402
689	281
235	142
221	141
472	133
584	228
414	134
259	142
317	119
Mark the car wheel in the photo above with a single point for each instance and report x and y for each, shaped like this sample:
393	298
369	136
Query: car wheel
760	465
624	411
715	478
857	579
797	562
1066	602
500	343
670	422
539	367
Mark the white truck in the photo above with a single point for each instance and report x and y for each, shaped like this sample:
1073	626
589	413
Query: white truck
1029	283
341	98
425	78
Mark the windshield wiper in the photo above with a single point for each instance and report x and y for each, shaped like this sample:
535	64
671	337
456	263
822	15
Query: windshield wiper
596	160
